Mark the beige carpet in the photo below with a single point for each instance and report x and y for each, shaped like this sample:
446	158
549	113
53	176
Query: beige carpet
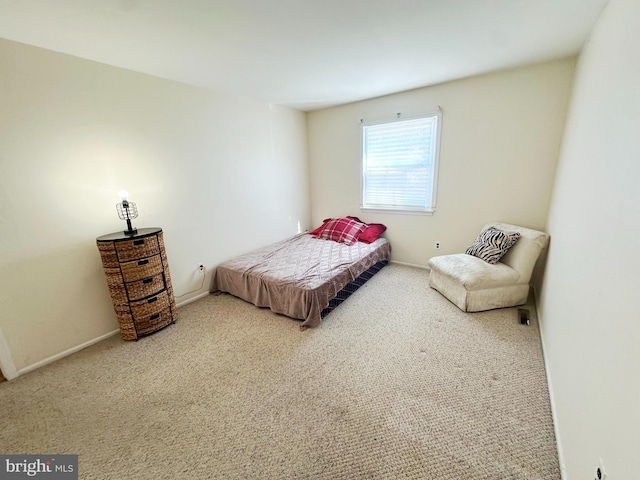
396	383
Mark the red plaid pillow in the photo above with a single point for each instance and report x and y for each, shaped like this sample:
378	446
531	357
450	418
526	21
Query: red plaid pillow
342	230
371	232
319	229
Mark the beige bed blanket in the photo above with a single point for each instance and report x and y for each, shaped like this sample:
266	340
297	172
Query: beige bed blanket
297	277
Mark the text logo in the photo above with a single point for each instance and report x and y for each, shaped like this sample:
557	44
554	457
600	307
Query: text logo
46	467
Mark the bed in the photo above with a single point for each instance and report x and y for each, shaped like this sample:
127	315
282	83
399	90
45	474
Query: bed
302	277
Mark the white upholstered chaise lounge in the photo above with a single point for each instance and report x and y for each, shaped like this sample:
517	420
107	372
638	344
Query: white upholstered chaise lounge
475	285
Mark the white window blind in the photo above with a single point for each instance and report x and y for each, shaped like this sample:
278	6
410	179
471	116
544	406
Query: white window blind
399	164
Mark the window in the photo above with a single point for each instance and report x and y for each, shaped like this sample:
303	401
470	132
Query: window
400	164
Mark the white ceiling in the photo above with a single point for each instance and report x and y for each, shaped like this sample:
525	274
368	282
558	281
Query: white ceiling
306	54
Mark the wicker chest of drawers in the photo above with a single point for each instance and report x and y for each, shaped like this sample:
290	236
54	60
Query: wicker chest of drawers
138	278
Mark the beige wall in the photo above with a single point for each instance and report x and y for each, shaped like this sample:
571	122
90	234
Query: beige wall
220	174
590	323
500	139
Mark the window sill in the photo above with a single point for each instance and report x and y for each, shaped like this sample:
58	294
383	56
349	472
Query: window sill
398	211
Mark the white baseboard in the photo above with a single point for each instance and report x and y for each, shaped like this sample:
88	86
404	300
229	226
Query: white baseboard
66	353
554	417
10	371
423	267
192	299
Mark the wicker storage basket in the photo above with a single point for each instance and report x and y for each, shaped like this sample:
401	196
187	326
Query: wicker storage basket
139	281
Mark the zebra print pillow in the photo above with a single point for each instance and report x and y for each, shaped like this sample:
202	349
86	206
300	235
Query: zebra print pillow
492	244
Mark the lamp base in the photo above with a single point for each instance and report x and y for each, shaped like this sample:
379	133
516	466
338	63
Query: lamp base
130	229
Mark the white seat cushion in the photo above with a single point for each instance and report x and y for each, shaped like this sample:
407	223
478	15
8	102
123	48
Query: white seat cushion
474	273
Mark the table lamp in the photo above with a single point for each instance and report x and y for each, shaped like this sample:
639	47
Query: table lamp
126	211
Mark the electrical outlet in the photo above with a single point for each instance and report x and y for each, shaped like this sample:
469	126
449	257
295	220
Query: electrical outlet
201	267
437	244
523	314
600	473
